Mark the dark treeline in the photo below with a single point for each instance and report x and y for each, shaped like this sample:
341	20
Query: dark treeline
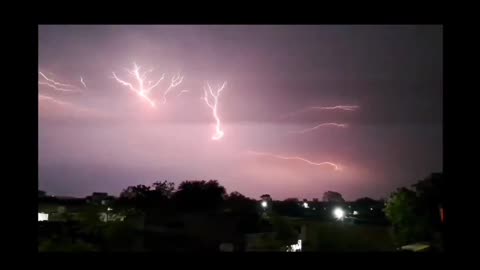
201	215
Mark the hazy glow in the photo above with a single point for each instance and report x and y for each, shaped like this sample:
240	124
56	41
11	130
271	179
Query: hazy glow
305	205
355	213
335	166
264	204
214	106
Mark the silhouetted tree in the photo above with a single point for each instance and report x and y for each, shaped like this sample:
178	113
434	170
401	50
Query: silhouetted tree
164	189
199	195
240	203
403	212
135	192
288	207
135	196
332	196
431	198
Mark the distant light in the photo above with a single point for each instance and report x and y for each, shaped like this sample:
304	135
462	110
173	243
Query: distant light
42	217
295	247
313	208
338	213
109	209
355	213
371	209
264	204
305	205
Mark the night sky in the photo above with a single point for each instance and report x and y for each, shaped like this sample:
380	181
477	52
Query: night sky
104	137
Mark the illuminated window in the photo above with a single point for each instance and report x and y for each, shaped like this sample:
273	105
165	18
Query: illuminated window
42	217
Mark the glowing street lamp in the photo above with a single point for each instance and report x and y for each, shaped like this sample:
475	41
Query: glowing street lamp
264	204
338	213
305	205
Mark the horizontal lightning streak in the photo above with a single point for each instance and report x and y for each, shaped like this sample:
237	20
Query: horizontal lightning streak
335	166
338	107
54	82
56	85
318	126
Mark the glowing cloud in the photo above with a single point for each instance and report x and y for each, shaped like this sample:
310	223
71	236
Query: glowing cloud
218	130
335	166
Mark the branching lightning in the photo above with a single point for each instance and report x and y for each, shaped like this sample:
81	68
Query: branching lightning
214	106
175	81
335	166
142	90
320	125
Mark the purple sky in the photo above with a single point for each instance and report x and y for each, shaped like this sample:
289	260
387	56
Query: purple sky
106	137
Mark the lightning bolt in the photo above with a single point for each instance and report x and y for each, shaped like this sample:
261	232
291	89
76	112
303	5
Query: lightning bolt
81	80
218	130
335	166
176	80
320	125
56	85
142	90
338	107
181	92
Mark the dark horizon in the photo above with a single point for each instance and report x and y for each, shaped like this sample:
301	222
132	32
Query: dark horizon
104	137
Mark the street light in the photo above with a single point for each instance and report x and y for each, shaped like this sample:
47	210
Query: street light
264	204
338	213
305	205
